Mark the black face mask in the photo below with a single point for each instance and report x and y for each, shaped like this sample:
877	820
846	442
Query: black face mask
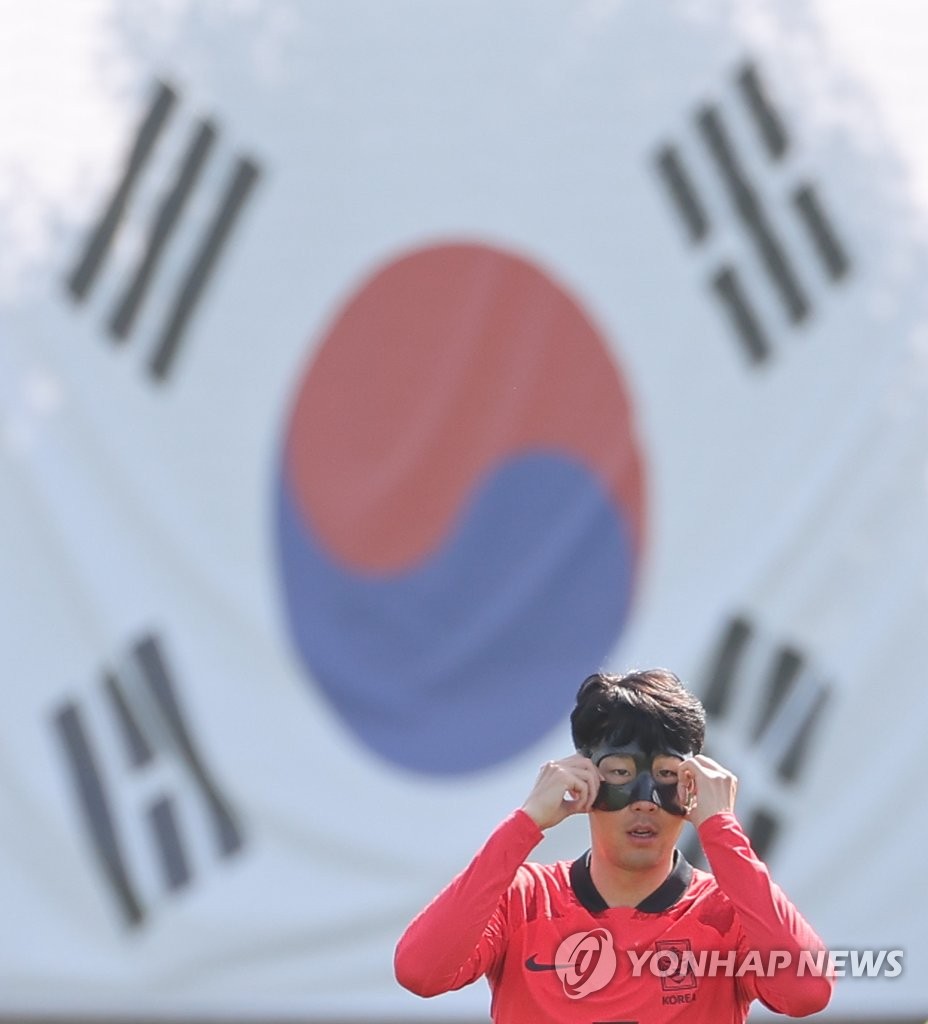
614	796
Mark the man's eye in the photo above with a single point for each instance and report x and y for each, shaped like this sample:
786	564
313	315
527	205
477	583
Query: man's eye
668	774
619	773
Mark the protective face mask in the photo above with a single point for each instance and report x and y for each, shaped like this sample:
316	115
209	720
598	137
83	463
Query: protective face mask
643	786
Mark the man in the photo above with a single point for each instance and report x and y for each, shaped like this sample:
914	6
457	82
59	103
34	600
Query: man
629	933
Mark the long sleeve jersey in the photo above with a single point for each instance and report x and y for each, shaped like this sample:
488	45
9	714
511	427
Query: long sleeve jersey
700	948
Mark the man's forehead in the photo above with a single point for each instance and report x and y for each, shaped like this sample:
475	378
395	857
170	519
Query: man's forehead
632	747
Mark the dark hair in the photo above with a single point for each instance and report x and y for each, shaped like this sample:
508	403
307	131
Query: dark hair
650	705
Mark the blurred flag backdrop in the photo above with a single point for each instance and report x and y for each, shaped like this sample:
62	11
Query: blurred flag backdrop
370	373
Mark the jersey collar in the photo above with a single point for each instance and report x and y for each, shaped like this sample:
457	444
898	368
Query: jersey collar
663	897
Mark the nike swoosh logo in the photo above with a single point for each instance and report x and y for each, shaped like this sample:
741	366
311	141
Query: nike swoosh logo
533	965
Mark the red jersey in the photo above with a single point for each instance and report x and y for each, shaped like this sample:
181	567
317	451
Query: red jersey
698	949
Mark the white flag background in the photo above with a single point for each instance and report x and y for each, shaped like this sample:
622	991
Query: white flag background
369	374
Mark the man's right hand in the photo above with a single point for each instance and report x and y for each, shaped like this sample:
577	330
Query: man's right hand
564	787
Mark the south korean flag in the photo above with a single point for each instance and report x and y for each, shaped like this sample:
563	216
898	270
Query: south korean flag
370	374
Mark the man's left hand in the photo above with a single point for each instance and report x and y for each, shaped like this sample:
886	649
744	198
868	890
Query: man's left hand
706	788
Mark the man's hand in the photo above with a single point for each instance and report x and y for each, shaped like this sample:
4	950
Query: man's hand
705	788
564	787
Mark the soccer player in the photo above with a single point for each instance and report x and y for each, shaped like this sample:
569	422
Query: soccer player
629	932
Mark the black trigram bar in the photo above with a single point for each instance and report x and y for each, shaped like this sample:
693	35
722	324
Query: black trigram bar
721	682
821	232
86	270
240	184
671	168
762	829
751	212
727	286
163	822
165	220
764	114
97	811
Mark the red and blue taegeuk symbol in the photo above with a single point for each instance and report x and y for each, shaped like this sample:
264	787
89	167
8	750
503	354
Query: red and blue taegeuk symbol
460	508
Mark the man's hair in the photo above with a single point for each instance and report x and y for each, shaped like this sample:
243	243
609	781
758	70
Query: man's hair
651	706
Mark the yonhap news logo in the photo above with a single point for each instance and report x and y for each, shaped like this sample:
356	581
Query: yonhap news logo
665	961
587	961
